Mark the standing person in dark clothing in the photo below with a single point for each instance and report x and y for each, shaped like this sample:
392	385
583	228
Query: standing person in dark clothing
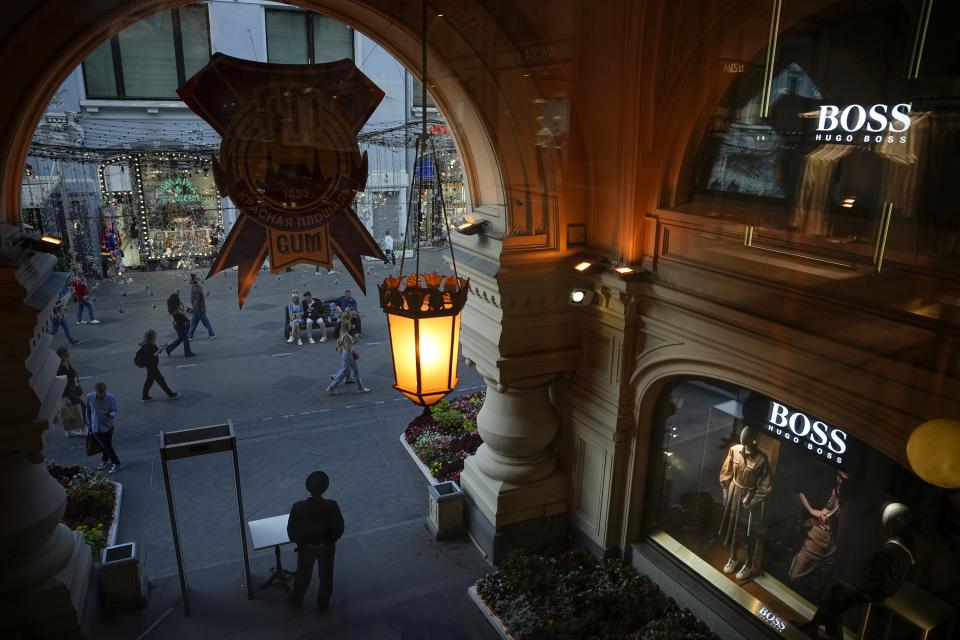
888	570
181	325
148	357
315	525
199	304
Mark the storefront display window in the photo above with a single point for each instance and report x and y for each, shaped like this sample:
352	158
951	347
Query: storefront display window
775	513
841	142
165	208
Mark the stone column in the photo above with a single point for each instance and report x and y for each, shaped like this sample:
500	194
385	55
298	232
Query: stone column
517	490
519	333
45	567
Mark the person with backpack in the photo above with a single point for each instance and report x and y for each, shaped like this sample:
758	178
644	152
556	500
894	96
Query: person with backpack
181	324
148	357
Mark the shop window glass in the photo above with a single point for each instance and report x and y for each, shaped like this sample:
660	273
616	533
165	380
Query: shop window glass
845	143
332	40
149	58
287	37
816	501
99	73
194	36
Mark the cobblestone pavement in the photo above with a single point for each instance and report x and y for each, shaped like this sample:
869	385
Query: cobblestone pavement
286	427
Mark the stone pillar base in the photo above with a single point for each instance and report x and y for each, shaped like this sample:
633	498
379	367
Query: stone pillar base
503	517
56	608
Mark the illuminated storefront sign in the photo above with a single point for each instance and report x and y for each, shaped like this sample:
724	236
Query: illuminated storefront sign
816	436
772	619
177	190
857	123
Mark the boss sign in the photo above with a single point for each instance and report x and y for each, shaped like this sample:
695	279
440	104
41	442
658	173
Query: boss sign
876	123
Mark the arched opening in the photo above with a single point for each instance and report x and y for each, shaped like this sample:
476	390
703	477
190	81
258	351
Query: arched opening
396	30
75	35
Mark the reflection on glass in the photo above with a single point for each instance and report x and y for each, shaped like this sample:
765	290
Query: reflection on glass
858	156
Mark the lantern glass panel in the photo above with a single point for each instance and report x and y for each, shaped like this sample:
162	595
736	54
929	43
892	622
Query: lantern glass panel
439	351
404	354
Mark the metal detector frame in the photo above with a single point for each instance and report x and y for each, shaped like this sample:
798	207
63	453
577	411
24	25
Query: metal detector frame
189	443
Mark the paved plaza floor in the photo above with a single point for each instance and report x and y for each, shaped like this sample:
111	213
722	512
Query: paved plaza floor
392	579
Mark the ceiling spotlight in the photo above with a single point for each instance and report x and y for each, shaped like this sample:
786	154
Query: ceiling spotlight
581	296
471	228
623	270
53	240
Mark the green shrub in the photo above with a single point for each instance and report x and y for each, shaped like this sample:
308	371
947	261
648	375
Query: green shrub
573	596
96	536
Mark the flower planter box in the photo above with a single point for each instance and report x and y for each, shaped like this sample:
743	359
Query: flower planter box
413	456
488	613
573	595
93	503
444	437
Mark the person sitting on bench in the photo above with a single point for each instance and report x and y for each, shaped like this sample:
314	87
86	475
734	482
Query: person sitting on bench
347	302
313	317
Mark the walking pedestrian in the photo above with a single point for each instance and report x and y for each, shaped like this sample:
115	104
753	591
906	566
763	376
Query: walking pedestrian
388	249
315	525
101	412
82	294
346	326
348	364
58	321
71	402
148	357
199	304
181	325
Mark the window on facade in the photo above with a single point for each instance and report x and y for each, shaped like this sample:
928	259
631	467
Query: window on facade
844	143
297	37
800	509
417	98
151	58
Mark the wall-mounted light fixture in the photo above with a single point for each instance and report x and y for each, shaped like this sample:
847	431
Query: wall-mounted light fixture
623	271
581	297
471	228
44	244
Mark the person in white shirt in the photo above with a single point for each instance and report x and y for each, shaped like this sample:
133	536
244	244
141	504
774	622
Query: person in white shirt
389	256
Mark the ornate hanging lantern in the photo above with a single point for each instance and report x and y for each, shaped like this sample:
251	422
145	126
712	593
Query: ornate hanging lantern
423	309
423	314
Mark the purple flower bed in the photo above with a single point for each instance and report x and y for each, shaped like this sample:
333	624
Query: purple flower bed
443	439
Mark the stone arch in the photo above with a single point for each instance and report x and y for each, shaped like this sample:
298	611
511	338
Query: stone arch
485	108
